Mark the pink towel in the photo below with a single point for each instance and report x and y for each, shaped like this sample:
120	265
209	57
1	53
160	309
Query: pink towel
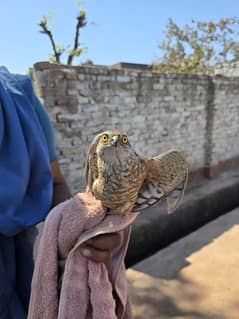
65	284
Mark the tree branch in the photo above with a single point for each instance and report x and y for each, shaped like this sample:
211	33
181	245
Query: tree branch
45	30
81	22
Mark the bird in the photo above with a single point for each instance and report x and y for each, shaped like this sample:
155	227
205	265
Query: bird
125	181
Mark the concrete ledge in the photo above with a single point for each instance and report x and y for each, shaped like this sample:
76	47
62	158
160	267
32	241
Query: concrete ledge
155	229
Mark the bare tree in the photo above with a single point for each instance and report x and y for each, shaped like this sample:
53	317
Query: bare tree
58	50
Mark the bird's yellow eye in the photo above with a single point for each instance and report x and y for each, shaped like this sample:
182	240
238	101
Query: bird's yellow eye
105	138
124	139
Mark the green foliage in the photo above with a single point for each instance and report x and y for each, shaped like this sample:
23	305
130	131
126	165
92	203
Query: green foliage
60	50
198	47
76	52
83	13
52	59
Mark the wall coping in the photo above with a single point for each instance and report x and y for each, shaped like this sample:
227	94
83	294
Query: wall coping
122	68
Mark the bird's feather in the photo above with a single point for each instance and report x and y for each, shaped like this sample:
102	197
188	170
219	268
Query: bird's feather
125	181
91	169
166	178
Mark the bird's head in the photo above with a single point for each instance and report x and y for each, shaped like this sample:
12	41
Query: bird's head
111	147
113	144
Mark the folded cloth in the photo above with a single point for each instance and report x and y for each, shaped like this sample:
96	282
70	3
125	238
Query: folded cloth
65	283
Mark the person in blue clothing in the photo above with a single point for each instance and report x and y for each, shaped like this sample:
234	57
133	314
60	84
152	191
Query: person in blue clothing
31	183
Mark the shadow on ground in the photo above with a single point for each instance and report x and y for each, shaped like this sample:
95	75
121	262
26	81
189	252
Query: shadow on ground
172	261
157	303
195	277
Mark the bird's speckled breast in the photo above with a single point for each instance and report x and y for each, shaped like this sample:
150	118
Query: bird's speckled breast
119	181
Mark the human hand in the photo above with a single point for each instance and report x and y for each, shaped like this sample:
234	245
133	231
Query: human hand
100	248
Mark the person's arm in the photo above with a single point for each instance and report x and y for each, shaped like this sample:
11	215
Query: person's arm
61	191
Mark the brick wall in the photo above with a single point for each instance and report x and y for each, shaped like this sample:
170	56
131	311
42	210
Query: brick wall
198	113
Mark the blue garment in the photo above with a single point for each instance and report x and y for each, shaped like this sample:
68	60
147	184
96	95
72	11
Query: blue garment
25	188
26	181
16	268
46	126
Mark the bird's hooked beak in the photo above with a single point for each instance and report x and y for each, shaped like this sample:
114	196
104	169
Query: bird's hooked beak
115	140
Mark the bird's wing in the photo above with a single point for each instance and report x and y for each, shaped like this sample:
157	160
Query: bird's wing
91	169
166	178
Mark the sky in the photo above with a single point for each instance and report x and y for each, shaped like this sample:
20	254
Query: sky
117	30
